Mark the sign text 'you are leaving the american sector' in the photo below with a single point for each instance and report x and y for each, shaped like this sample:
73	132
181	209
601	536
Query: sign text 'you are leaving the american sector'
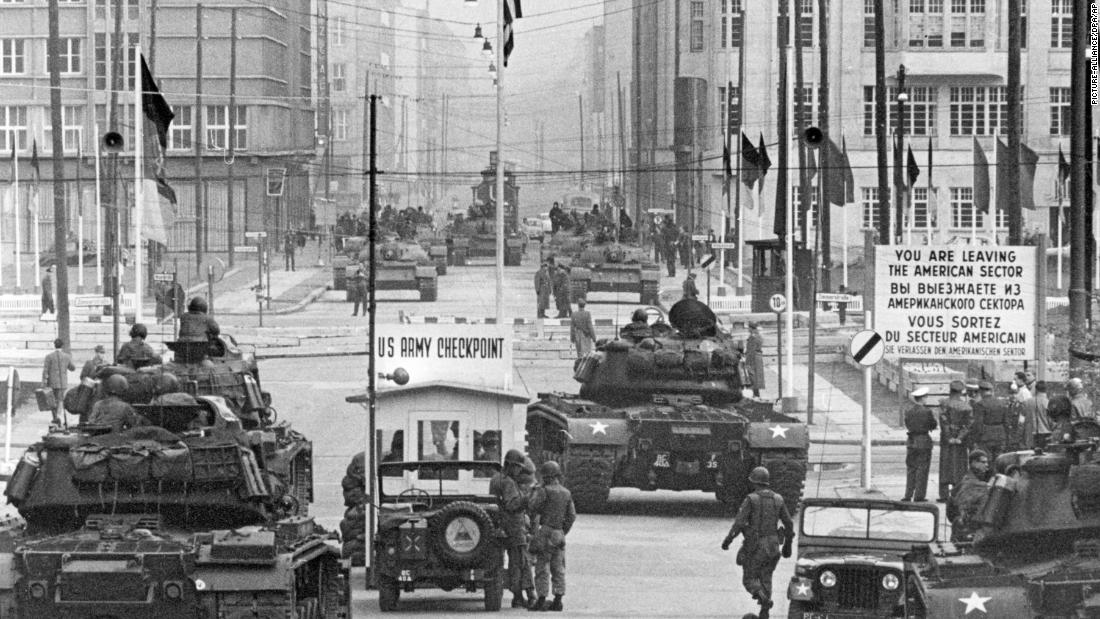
957	302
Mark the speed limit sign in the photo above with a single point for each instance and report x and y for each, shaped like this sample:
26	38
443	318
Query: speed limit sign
777	302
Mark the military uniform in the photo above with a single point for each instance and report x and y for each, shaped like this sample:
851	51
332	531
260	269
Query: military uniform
919	421
954	424
513	508
544	285
198	327
991	423
553	512
691	291
754	360
966	501
112	411
758	519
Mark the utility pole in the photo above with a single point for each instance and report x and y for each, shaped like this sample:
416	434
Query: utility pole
824	209
153	36
114	241
60	212
622	138
884	236
1015	216
805	172
231	141
197	140
1080	220
368	124
580	117
899	157
781	119
372	238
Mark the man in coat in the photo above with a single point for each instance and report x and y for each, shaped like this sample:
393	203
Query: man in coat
1036	425
91	366
552	517
754	358
544	285
919	421
1082	405
562	287
581	330
512	502
955	420
47	292
55	376
691	291
991	422
968	497
290	245
758	519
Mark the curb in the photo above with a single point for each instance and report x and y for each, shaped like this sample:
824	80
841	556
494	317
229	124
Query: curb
886	442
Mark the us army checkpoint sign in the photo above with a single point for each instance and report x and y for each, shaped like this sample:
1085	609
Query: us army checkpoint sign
957	302
478	355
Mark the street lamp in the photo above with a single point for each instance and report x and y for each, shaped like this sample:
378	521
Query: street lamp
487	49
477	32
493	70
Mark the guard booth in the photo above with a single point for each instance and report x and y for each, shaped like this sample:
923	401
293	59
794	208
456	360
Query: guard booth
769	273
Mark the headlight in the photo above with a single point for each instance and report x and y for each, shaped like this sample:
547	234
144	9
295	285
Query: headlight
173	591
827	579
890	582
38	590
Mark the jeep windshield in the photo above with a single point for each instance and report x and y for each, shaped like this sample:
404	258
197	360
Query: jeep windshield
865	522
438	478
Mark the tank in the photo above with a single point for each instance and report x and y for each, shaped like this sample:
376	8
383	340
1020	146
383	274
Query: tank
609	266
401	265
473	235
662	408
1035	550
201	511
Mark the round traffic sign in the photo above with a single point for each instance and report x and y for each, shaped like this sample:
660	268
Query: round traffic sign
867	347
777	302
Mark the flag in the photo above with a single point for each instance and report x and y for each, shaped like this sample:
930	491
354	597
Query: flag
34	162
838	188
154	105
1005	176
930	163
512	12
765	161
810	168
1029	160
914	169
751	168
14	162
158	216
727	169
1063	165
849	179
981	179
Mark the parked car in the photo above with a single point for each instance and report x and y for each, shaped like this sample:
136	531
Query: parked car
537	227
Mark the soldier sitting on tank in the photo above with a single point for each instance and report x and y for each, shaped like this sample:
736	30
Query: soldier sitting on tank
638	329
968	497
1060	412
136	353
167	387
113	411
196	325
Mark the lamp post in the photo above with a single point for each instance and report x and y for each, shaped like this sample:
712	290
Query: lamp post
496	70
899	156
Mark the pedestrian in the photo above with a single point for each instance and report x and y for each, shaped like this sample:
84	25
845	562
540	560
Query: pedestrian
289	246
919	421
684	244
691	291
55	376
581	330
1036	424
513	508
842	306
955	420
968	497
758	519
1022	392
754	358
544	286
47	292
562	287
991	420
1082	405
360	291
136	353
91	366
552	517
972	393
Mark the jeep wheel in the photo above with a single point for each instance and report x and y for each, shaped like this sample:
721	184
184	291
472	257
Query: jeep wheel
388	594
588	477
797	610
462	534
788	476
494	591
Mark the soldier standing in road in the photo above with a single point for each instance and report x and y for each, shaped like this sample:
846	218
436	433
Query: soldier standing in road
581	330
954	438
360	291
1082	405
967	498
691	291
47	292
759	518
55	376
919	421
562	288
991	420
544	285
513	507
754	358
552	516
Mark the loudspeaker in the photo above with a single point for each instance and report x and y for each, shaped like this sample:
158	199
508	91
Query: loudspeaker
813	137
113	142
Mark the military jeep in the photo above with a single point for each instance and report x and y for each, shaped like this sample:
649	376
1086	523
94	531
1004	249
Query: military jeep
859	557
438	526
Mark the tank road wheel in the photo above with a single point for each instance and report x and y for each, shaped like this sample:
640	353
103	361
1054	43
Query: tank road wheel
788	475
306	609
335	591
427	287
388	594
494	591
588	477
462	534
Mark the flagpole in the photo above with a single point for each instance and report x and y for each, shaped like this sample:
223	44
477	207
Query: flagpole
79	224
500	199
139	191
993	191
1060	192
98	213
789	206
18	234
909	217
37	248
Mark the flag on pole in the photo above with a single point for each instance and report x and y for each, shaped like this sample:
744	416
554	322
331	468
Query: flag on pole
512	12
930	163
751	168
1029	160
1063	165
912	167
981	179
838	189
34	162
765	161
849	179
154	105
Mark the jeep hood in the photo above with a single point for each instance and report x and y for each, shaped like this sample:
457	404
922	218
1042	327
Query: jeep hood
823	556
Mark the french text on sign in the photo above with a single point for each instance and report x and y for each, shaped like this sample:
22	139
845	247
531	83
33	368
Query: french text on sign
867	347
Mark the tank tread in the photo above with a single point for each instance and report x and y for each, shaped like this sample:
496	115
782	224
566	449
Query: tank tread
788	475
588	475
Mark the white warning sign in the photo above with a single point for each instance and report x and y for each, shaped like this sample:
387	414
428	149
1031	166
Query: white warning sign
474	354
957	302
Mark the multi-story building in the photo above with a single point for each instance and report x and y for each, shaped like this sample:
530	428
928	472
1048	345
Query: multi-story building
271	122
955	54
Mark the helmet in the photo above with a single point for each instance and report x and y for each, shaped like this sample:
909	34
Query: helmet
115	384
514	456
639	315
167	383
760	475
197	304
139	330
550	469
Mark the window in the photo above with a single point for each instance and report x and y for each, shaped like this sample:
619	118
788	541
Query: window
807	96
71	58
1061	23
339	77
438	441
339	125
180	137
240	127
920	215
217	129
13	127
1060	116
697	26
733	108
733	26
72	125
925	23
13	57
100	61
920	110
796	203
963	214
869	199
338	32
132	9
868	23
806	22
967	23
978	110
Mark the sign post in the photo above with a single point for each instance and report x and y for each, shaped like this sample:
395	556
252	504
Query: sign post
867	348
778	303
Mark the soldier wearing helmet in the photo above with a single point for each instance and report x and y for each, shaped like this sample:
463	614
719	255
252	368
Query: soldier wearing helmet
196	325
169	393
136	353
638	329
552	515
113	411
759	518
513	505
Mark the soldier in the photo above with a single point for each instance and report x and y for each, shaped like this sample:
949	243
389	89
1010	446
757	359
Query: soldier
47	292
967	498
552	516
991	421
91	366
954	438
759	518
55	376
513	507
360	291
112	410
1082	405
544	285
691	291
581	330
754	358
919	421
196	325
136	353
289	246
562	288
638	329
1060	412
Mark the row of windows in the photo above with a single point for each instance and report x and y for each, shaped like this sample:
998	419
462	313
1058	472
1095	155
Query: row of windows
972	110
15	56
962	211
